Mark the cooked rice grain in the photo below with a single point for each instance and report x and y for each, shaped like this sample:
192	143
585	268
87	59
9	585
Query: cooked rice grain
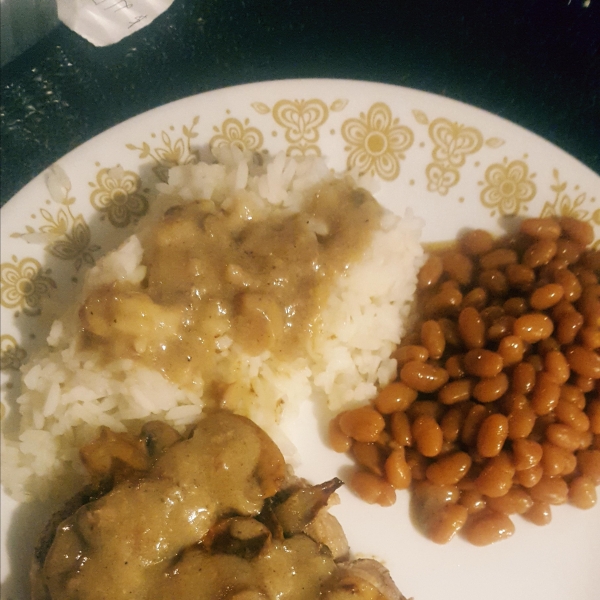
67	393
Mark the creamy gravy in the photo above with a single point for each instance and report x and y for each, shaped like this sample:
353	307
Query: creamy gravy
198	525
260	278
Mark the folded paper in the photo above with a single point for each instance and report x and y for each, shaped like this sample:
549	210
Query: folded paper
105	22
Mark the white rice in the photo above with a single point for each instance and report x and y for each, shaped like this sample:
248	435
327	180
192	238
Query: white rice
67	393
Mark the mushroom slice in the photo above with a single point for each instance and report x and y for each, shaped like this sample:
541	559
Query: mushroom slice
243	536
158	436
302	505
326	529
362	579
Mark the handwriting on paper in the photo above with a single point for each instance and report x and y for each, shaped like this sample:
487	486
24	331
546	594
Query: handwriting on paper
105	22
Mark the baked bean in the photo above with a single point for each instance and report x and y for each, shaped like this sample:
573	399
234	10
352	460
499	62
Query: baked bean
572	394
477	298
593	413
492	434
545	394
520	277
490	389
590	338
417	462
362	424
404	354
589	305
397	471
536	361
428	408
468	482
455	366
552	490
591	260
585	276
429	497
515	502
423	377
501	327
490	314
395	396
494	281
456	391
451	423
583	361
530	477
515	306
586	440
585	384
369	455
433	339
430	506
521	422
471	328
569	414
400	426
523	378
473	419
568	326
498	258
472	500
540	513
445	302
427	435
458	266
540	253
511	401
561	308
526	454
430	272
576	230
569	250
546	296
476	242
582	492
496	477
372	489
451	335
548	345
511	349
541	228
483	363
548	272
533	327
556	366
569	283
570	463
449	469
338	440
446	523
487	527
588	462
553	459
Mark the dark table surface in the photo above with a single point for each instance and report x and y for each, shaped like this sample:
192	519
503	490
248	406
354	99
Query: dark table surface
535	62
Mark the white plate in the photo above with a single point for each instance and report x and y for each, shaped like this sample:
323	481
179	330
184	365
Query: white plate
455	165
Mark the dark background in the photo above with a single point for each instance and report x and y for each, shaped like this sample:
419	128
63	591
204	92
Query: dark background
535	62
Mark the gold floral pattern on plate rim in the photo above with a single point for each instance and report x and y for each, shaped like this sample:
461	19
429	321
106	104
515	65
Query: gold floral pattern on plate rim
452	164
